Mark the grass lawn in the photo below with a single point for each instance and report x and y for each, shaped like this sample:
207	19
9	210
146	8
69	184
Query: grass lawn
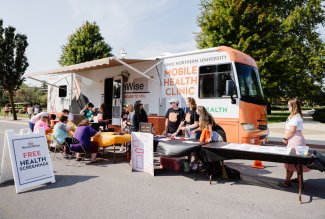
277	116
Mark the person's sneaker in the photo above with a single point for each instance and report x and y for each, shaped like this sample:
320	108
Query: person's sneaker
194	166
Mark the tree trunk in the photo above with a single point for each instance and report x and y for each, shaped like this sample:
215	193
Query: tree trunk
11	98
268	108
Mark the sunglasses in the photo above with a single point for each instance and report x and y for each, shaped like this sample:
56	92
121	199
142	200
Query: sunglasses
171	103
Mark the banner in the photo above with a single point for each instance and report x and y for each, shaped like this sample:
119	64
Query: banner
30	159
142	152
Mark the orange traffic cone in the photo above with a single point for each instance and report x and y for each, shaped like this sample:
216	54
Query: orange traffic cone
258	164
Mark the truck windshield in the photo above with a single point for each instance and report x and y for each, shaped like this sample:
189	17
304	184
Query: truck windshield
249	84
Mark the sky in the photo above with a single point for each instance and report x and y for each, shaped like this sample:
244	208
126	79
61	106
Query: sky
143	28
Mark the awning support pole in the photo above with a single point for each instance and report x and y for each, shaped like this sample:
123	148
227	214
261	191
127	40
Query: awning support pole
42	81
145	72
134	69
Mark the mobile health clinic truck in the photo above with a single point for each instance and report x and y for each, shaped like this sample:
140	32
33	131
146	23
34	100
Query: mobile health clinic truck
224	80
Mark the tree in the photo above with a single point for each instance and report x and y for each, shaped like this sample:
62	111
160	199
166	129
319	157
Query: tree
279	34
3	97
86	44
13	61
31	95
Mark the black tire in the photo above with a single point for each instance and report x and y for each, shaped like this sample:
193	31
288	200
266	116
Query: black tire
222	136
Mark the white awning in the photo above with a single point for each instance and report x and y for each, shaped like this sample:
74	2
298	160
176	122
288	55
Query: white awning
86	66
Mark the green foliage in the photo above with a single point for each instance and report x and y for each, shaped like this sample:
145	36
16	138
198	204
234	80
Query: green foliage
86	44
4	99
13	61
279	34
28	94
319	115
31	95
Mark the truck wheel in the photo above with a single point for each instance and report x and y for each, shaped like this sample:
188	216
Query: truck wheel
222	136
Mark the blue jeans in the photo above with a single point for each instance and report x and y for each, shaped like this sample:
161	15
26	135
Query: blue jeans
215	136
31	126
195	135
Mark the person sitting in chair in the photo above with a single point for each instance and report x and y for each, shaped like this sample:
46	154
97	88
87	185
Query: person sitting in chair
102	116
61	129
43	123
84	133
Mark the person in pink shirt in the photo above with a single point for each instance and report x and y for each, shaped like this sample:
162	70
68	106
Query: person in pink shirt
43	123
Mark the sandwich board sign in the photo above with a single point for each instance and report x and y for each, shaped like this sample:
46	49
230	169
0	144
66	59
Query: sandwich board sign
142	152
29	159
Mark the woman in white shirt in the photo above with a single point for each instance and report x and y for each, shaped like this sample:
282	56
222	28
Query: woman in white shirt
293	136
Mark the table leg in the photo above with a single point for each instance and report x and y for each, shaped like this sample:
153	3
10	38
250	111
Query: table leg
206	164
300	180
114	153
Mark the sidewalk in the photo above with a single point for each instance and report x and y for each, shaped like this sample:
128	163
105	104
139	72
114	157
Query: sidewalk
19	120
314	132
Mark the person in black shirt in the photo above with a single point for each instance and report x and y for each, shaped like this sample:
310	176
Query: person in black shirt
102	116
191	120
143	114
137	116
174	117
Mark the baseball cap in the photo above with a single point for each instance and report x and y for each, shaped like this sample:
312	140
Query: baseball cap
44	114
173	100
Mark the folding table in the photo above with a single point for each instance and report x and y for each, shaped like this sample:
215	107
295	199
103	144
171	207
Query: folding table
107	139
214	152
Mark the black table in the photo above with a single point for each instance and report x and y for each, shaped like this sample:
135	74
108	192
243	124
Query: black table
213	152
177	148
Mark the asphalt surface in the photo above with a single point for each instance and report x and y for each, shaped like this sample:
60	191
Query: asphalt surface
107	190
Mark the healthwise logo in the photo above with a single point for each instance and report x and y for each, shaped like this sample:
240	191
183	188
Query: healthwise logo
139	85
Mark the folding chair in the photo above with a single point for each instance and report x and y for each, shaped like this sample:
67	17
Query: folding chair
55	144
74	146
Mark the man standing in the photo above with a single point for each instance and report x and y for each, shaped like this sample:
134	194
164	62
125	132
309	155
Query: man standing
174	117
30	111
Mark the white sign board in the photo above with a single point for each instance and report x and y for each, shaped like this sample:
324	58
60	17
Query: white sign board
5	170
30	159
142	152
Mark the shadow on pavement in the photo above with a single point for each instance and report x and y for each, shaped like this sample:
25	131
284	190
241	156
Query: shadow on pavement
314	188
62	181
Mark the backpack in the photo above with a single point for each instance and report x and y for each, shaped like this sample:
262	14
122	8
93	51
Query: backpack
232	173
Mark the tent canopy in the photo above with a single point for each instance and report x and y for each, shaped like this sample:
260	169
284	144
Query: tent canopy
86	66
